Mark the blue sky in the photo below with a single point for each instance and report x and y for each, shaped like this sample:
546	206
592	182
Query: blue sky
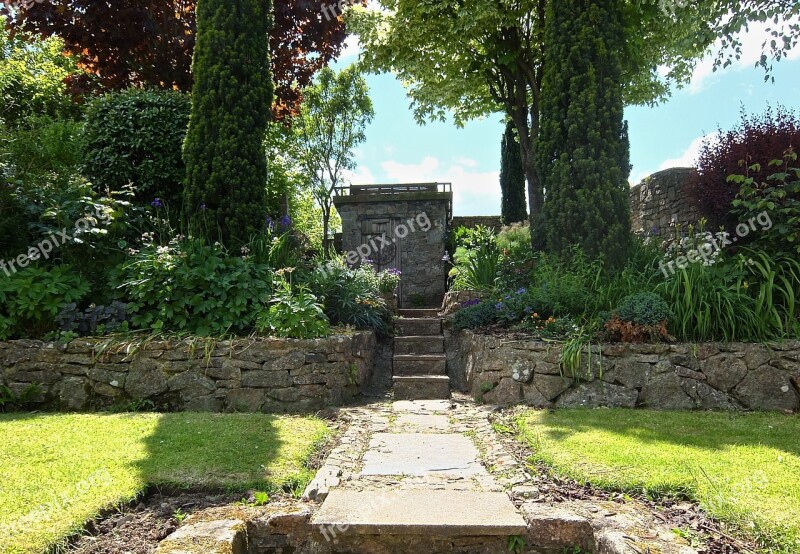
399	150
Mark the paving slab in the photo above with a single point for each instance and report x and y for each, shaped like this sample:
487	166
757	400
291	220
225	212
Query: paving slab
421	512
420	454
422	422
422	406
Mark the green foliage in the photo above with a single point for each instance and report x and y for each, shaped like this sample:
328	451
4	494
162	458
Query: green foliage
517	257
32	78
333	119
225	196
750	296
512	179
583	156
776	201
31	298
191	287
483	314
476	259
294	314
388	281
645	308
350	296
135	137
11	401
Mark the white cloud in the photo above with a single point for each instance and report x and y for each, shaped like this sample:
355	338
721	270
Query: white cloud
361	176
690	155
752	48
351	50
474	192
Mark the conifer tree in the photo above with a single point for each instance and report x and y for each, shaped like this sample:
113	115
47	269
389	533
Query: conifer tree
225	196
584	152
512	179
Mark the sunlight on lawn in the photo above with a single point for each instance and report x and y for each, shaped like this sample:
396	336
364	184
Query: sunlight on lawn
58	471
742	468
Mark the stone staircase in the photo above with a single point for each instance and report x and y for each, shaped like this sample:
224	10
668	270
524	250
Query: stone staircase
420	363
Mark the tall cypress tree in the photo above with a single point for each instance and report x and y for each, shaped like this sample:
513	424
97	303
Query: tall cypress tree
584	152
512	179
224	152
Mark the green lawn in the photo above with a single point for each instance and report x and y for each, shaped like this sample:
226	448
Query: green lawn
742	468
58	471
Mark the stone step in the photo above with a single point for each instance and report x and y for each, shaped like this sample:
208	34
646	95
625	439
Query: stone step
418	312
419	345
405	327
414	364
438	513
421	387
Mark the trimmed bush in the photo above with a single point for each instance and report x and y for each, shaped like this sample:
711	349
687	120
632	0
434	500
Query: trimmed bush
135	138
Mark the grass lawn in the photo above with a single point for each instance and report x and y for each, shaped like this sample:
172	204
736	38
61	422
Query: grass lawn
742	468
58	471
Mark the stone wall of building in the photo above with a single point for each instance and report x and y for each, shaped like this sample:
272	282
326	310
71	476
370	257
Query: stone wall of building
731	376
246	375
491	221
417	254
661	202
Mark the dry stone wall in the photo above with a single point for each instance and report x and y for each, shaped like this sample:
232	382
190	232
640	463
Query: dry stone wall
246	375
714	376
661	205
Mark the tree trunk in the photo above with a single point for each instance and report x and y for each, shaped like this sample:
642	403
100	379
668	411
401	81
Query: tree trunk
528	135
326	218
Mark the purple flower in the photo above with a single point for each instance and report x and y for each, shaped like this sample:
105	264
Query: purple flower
203	207
471	302
156	203
498	306
270	223
523	290
285	222
654	230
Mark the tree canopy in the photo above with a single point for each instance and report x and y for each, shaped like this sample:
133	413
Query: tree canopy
151	42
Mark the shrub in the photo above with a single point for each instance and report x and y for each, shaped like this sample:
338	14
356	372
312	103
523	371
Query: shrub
778	198
31	298
350	296
388	281
476	260
194	288
135	137
226	164
645	308
517	257
94	320
640	317
474	317
756	138
295	315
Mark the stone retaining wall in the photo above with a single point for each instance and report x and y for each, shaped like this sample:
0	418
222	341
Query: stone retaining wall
247	375
731	376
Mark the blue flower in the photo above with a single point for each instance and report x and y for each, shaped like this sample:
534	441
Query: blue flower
654	230
285	222
498	306
156	203
523	290
528	310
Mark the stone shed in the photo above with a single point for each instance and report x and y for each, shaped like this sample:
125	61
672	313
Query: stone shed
402	227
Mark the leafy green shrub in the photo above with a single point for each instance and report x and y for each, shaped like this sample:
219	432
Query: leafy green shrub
295	315
476	260
195	288
774	202
388	281
94	320
646	308
477	316
350	296
31	298
136	137
517	256
749	297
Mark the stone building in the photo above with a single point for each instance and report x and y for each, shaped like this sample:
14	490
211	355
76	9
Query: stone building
402	227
